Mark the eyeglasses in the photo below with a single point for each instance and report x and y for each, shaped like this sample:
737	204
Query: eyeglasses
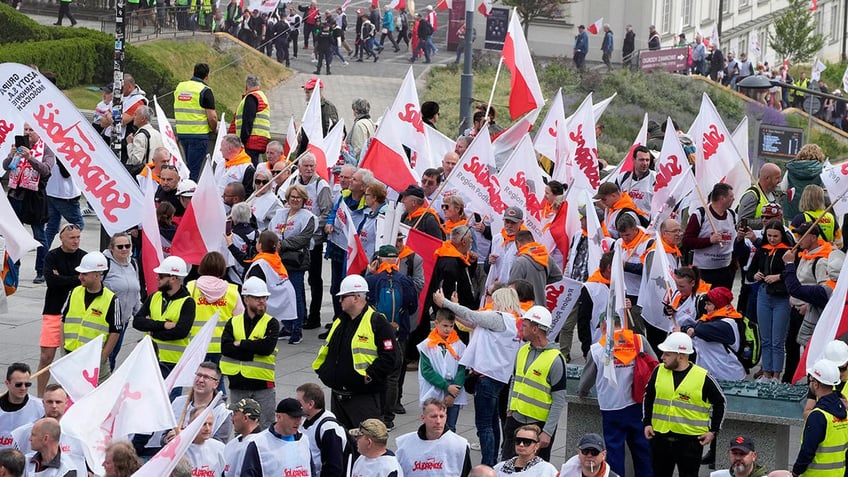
524	441
205	377
23	383
590	451
260	182
123	246
70	227
445	207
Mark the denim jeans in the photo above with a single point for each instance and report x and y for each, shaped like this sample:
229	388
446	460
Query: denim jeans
486	418
453	417
625	426
56	210
194	148
773	316
295	326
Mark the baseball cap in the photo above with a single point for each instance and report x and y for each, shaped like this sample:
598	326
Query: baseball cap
108	88
291	407
742	442
387	251
606	189
592	441
311	82
513	214
413	190
803	228
373	428
248	406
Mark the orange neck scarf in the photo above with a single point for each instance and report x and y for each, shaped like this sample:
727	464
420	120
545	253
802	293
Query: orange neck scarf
535	251
727	312
639	238
387	267
625	202
435	339
824	250
598	278
772	249
624	349
508	239
421	211
274	261
241	158
449	250
449	225
148	171
672	249
405	252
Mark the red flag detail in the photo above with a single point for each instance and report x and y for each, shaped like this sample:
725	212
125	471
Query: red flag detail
425	246
387	165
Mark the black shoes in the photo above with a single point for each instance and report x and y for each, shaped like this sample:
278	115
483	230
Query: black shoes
311	325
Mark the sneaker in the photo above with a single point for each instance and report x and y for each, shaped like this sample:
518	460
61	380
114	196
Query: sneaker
294	341
39	279
346	63
311	325
389	425
376	58
324	335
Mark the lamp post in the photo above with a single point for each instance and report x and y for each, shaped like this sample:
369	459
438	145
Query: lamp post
466	88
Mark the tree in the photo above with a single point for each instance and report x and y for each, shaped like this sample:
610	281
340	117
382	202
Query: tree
794	33
530	10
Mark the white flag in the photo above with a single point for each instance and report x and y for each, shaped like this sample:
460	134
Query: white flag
672	171
614	307
169	139
79	370
405	113
818	69
133	400
626	164
845	81
438	144
583	149
195	353
311	124
522	186
715	152
18	240
835	181
561	297
545	141
217	156
474	179
168	457
740	176
656	288
754	44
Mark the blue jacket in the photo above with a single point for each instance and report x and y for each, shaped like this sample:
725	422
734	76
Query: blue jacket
815	429
389	21
581	42
409	300
606	46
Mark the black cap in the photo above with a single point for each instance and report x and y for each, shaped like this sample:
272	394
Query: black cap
291	407
592	441
743	443
108	88
413	190
803	228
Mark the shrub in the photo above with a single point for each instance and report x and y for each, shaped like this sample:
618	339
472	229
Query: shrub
18	28
72	60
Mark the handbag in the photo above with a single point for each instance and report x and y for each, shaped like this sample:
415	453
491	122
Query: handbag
643	368
471	379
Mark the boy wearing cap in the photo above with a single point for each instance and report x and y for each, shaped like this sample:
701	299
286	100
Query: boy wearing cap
716	336
375	459
743	460
825	433
280	449
246	427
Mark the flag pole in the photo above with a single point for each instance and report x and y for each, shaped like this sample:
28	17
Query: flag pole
185	410
494	85
706	206
816	222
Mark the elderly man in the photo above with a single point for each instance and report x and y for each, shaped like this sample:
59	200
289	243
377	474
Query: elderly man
418	215
273	155
252	120
46	458
194	112
161	159
281	449
759	195
238	166
329	113
362	128
434	442
450	161
17	407
142	143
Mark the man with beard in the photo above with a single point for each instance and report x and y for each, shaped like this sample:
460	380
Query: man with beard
743	460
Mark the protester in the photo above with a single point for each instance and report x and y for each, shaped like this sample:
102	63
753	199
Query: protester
526	460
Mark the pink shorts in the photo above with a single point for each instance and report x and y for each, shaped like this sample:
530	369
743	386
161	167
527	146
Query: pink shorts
51	327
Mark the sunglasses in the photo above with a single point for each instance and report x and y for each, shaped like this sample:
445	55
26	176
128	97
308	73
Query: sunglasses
524	441
70	227
590	451
123	246
22	384
260	182
445	207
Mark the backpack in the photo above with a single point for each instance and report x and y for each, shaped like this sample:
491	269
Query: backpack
750	350
390	302
348	448
9	274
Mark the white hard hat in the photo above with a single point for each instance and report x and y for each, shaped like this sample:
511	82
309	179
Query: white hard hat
172	265
353	284
677	342
837	352
254	286
93	262
825	372
186	188
539	315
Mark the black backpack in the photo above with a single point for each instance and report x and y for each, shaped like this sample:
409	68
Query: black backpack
348	448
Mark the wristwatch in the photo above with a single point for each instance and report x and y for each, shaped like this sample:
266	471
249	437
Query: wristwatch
367	379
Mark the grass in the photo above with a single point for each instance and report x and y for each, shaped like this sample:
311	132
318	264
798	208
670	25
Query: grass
229	63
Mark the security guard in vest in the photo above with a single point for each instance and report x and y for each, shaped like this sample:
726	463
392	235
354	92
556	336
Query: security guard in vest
194	112
825	437
537	395
252	121
683	407
249	351
168	314
359	353
90	311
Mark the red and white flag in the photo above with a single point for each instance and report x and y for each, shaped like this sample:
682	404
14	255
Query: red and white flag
582	146
19	241
596	27
507	140
195	353
386	157
813	5
560	298
715	152
522	185
79	370
626	164
408	123
311	124
346	238
714	38
132	401
346	4
674	177
485	8
832	323
525	92
169	139
327	150
291	138
7	128
474	178
168	457
108	188
442	5
202	228
546	136
151	241
399	4
818	69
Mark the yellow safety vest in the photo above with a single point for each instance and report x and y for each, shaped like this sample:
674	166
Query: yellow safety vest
189	115
85	324
827	224
205	310
263	366
363	346
829	460
262	122
762	199
531	390
682	410
169	351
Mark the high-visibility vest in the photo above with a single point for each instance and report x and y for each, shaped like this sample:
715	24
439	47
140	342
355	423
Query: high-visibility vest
363	345
531	390
204	310
761	199
827	224
189	115
261	132
262	367
85	324
169	351
682	410
829	460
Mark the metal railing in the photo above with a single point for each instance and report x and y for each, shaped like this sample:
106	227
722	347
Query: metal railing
158	22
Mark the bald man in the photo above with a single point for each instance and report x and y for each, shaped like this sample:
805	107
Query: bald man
755	197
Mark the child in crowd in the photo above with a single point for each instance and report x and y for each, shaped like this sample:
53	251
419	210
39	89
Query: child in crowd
439	373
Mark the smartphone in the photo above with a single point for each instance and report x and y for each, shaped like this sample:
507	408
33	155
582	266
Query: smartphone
22	141
743	224
228	228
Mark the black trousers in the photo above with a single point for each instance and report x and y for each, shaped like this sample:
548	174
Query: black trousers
65	11
316	283
670	450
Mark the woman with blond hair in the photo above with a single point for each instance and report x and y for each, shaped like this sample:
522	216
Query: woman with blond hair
811	207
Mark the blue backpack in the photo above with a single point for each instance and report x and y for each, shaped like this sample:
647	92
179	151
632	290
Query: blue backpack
390	302
9	275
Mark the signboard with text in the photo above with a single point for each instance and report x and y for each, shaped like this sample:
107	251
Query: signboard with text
669	59
779	141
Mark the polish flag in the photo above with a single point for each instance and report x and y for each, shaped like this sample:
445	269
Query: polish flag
346	4
327	148
626	164
168	457
813	5
169	139
311	123
442	5
79	370
291	138
485	8
715	152
195	353
202	227
19	241
594	28
406	119
399	4
132	401
525	93
348	239
151	241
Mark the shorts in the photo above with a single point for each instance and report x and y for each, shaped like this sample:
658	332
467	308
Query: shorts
51	327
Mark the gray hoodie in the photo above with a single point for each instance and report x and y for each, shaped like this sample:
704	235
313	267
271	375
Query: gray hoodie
122	279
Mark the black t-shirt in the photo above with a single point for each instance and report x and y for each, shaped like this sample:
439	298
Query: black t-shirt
61	277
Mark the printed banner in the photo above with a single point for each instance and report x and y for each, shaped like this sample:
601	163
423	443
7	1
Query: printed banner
561	298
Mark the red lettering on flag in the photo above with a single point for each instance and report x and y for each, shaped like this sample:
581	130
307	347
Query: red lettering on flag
586	158
712	141
412	116
667	171
483	177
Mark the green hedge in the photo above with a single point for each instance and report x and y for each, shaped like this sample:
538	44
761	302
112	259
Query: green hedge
70	59
18	28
